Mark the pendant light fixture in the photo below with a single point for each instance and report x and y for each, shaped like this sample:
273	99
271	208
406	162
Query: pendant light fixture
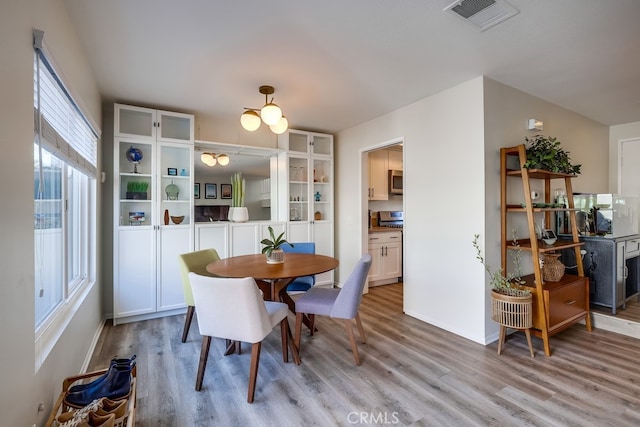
270	114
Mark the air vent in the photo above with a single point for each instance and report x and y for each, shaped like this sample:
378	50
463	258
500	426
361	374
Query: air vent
483	14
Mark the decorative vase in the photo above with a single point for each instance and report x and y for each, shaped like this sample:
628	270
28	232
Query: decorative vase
173	191
275	257
238	214
552	267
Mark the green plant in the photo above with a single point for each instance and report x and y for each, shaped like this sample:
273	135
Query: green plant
273	243
498	281
137	186
546	153
237	190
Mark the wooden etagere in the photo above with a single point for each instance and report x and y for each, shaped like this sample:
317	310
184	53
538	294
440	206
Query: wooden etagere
556	305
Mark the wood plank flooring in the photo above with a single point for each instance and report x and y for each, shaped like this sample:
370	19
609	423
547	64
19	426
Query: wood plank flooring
413	374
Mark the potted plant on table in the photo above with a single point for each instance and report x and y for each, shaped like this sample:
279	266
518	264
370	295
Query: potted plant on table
511	304
238	211
272	246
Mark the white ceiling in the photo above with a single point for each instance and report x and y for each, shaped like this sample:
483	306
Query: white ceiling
337	63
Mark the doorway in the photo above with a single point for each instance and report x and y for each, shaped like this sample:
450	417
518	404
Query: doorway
377	163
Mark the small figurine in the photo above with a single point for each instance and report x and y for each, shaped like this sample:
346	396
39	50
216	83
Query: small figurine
317	196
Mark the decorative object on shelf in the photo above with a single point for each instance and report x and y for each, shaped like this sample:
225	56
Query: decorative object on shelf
270	114
546	153
211	159
196	190
172	190
272	250
134	155
317	216
136	218
137	190
177	219
166	217
549	237
317	196
172	171
511	306
552	267
225	191
237	212
183	172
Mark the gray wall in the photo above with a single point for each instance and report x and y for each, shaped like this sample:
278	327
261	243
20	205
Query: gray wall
21	387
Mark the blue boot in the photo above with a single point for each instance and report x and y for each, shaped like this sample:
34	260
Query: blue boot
114	361
116	385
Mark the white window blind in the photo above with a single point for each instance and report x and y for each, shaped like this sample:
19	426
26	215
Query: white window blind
62	127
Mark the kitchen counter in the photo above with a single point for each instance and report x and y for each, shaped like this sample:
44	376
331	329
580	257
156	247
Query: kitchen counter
383	229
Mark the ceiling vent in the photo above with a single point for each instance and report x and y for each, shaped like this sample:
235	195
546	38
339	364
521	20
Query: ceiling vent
483	14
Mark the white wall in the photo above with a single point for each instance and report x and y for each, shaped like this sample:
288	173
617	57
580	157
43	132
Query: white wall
617	133
21	389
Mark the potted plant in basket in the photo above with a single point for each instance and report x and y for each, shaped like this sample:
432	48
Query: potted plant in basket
238	211
272	250
511	305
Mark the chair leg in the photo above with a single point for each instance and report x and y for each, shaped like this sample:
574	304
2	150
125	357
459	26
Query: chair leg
284	325
363	338
312	323
352	339
253	373
298	332
187	322
204	355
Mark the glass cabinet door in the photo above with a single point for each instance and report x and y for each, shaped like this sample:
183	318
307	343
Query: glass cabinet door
136	191
298	188
175	127
322	197
175	184
135	122
322	145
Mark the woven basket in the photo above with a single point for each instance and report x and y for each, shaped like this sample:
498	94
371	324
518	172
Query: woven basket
512	308
552	268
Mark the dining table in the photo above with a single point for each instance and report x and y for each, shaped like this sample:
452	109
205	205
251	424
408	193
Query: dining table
273	279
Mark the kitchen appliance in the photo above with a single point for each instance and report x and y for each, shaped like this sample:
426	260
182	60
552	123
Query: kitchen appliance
395	182
393	219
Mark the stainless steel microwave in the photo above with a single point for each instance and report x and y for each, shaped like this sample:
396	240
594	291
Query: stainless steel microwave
395	182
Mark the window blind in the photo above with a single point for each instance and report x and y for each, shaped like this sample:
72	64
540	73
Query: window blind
61	126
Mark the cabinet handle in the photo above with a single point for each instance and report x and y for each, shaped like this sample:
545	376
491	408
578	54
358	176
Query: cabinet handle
571	301
385	251
381	251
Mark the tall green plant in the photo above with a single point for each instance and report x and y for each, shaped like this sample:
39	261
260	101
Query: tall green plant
237	190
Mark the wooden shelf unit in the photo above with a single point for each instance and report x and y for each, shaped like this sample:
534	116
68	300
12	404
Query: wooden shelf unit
556	305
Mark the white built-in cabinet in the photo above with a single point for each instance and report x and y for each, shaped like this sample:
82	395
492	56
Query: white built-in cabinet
378	175
146	245
305	191
385	249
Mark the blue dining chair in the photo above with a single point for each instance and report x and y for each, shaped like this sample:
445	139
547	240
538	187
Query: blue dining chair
301	284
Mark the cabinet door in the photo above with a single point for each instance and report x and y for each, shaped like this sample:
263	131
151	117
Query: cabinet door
135	279
395	160
134	183
212	236
135	122
173	241
298	192
299	231
321	145
322	190
244	239
392	260
378	175
175	127
323	238
375	271
295	141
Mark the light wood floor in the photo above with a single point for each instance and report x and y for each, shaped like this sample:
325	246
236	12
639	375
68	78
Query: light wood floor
412	374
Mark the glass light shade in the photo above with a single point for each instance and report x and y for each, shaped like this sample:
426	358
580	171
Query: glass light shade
223	159
208	159
271	114
250	120
280	127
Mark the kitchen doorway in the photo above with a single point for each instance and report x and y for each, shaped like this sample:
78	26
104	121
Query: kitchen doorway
383	209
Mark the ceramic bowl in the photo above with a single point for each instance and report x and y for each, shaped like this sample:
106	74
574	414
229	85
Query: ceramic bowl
177	219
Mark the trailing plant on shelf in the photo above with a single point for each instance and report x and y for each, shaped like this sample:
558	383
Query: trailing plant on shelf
509	284
546	153
237	190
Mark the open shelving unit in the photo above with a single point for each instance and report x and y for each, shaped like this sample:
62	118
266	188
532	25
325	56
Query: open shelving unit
556	305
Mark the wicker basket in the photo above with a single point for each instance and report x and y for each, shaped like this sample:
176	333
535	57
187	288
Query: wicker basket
552	267
512	308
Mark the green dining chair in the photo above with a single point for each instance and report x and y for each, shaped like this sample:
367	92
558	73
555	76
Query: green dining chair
193	262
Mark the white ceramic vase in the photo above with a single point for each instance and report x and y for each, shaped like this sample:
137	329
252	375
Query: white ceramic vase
239	214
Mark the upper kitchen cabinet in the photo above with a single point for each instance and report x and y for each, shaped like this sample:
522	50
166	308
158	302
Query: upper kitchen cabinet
395	159
146	123
378	175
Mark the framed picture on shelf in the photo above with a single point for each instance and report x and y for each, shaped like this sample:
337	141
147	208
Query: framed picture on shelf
211	191
172	171
196	190
225	191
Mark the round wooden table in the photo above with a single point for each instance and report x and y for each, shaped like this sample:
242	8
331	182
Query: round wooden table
273	278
